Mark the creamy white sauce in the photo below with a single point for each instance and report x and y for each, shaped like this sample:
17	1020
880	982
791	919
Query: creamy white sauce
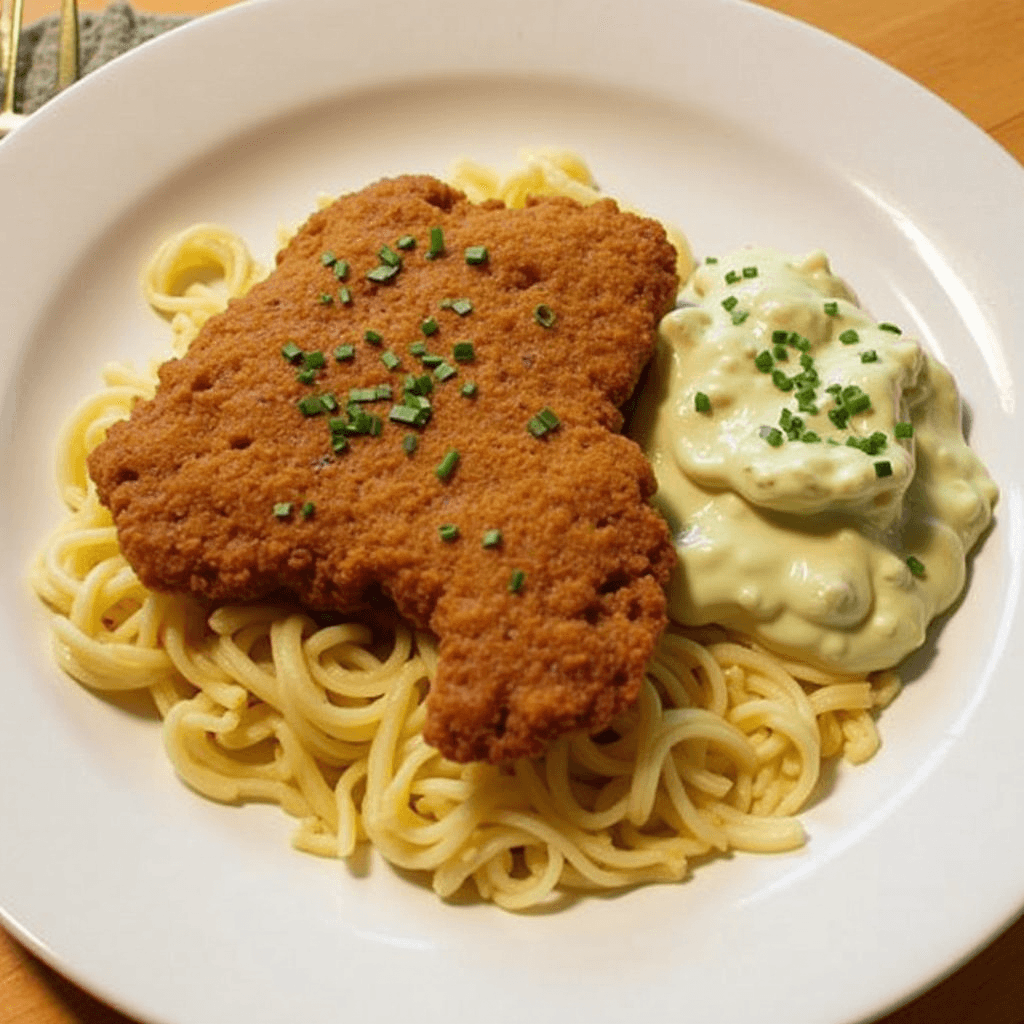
804	544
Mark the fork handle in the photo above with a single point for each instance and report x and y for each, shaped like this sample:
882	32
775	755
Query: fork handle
67	61
13	27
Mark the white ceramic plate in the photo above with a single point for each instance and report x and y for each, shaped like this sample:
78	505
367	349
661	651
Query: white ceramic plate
738	125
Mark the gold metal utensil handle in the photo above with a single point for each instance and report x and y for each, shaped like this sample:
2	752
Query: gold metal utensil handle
12	33
67	63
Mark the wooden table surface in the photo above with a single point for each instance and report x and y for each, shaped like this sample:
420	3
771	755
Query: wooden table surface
970	52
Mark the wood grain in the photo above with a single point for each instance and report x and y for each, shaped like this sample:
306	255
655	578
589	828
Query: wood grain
970	52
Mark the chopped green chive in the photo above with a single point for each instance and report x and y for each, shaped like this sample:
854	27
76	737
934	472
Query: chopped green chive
781	381
883	469
469	389
869	356
476	255
892	328
420	406
345	352
405	414
341	269
809	437
389	257
447	465
324	299
445	371
462	351
417	348
701	402
772	435
739	316
431	359
903	430
307	509
345	296
360	422
410	443
306	376
372	337
415	400
328	258
732	277
849	337
869	445
780	352
805	399
421	385
338	443
436	244
363	395
516	581
283	509
543	422
382	274
544	315
492	539
832	308
462	306
711	259
310	406
390	360
855	400
915	566
548	418
429	327
291	352
406	242
839	416
313	360
448	532
794	427
730	303
763	361
750	272
780	337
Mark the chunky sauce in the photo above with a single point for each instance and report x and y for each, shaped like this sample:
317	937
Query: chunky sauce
811	464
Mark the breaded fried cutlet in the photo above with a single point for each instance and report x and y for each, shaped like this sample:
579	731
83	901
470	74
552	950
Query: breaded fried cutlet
490	496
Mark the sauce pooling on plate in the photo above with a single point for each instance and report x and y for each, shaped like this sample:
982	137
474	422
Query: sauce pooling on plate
811	464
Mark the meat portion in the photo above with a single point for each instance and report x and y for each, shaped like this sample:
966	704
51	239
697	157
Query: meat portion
224	487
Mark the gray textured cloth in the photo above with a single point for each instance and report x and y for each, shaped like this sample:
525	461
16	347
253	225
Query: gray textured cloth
101	37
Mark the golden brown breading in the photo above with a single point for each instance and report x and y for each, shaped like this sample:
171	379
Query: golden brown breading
193	477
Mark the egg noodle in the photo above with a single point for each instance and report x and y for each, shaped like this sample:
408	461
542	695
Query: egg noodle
265	702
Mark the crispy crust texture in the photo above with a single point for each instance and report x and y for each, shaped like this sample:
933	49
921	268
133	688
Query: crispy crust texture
192	476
